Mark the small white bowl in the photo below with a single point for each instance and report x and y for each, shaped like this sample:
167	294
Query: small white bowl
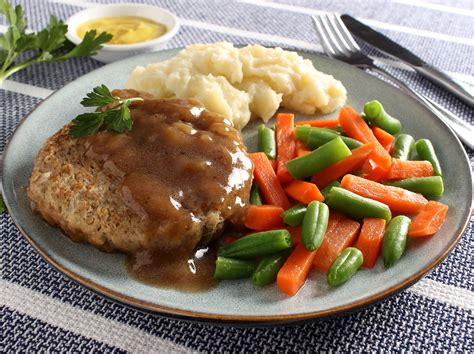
113	52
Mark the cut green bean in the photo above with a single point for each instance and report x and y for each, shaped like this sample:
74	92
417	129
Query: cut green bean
315	137
267	270
325	191
255	195
376	115
345	266
430	187
256	245
395	239
356	206
266	141
317	160
403	147
229	268
294	216
315	223
425	151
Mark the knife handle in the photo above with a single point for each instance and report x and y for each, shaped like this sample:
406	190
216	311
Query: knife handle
462	91
462	129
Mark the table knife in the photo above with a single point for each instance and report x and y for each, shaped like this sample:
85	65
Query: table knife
394	50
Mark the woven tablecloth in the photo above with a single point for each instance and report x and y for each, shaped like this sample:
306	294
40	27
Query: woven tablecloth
43	310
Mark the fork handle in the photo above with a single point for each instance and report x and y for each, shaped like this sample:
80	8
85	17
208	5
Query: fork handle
462	129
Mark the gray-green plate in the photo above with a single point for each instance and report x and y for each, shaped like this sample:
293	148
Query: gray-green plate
236	301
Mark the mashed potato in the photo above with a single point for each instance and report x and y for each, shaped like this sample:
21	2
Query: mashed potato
241	83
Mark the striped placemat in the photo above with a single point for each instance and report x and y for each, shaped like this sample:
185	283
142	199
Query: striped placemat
42	310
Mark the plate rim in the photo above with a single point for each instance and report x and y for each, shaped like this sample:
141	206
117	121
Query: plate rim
225	318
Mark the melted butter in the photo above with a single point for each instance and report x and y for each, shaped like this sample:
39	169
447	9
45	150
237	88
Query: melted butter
183	186
125	29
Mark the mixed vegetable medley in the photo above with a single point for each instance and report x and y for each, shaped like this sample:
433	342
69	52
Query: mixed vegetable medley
333	195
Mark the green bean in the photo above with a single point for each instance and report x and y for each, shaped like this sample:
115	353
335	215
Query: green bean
426	151
317	160
294	216
315	223
345	266
376	115
430	187
338	129
255	195
395	239
403	146
266	141
229	268
325	191
268	268
356	206
256	245
315	137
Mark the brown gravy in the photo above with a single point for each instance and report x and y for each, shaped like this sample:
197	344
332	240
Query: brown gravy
186	172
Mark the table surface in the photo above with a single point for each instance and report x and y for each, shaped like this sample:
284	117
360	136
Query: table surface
42	310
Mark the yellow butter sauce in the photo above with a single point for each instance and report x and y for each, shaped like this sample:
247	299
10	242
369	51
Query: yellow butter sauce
125	29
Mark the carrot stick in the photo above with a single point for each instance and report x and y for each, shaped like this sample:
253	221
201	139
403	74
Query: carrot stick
295	233
301	149
304	192
294	272
274	164
340	234
267	180
370	240
339	169
320	123
399	200
402	169
263	217
357	128
370	170
429	220
384	138
286	144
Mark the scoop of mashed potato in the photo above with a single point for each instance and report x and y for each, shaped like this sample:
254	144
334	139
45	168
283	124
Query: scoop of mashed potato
241	83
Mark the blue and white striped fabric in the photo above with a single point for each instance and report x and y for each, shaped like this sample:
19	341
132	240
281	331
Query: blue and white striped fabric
42	310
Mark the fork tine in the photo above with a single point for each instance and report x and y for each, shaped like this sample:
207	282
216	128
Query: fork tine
349	39
325	42
339	37
325	21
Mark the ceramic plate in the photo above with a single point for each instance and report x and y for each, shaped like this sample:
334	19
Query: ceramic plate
236	301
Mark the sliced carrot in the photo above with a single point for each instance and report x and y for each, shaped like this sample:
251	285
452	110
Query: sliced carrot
370	240
370	170
429	220
399	200
402	169
263	217
295	232
384	138
304	192
230	239
274	164
286	144
294	272
269	185
340	234
301	149
357	128
320	123
339	169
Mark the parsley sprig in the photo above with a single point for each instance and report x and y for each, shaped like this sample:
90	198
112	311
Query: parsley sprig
117	118
47	45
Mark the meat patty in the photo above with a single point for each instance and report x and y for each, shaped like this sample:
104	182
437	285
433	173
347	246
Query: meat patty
172	181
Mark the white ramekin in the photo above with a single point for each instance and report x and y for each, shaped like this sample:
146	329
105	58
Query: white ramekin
110	52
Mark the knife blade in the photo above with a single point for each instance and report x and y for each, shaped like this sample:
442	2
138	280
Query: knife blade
394	50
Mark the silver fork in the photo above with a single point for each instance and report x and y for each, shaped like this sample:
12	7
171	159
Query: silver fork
339	44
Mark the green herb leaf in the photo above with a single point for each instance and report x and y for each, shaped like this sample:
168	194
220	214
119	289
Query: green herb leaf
2	205
99	97
86	124
119	120
90	44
